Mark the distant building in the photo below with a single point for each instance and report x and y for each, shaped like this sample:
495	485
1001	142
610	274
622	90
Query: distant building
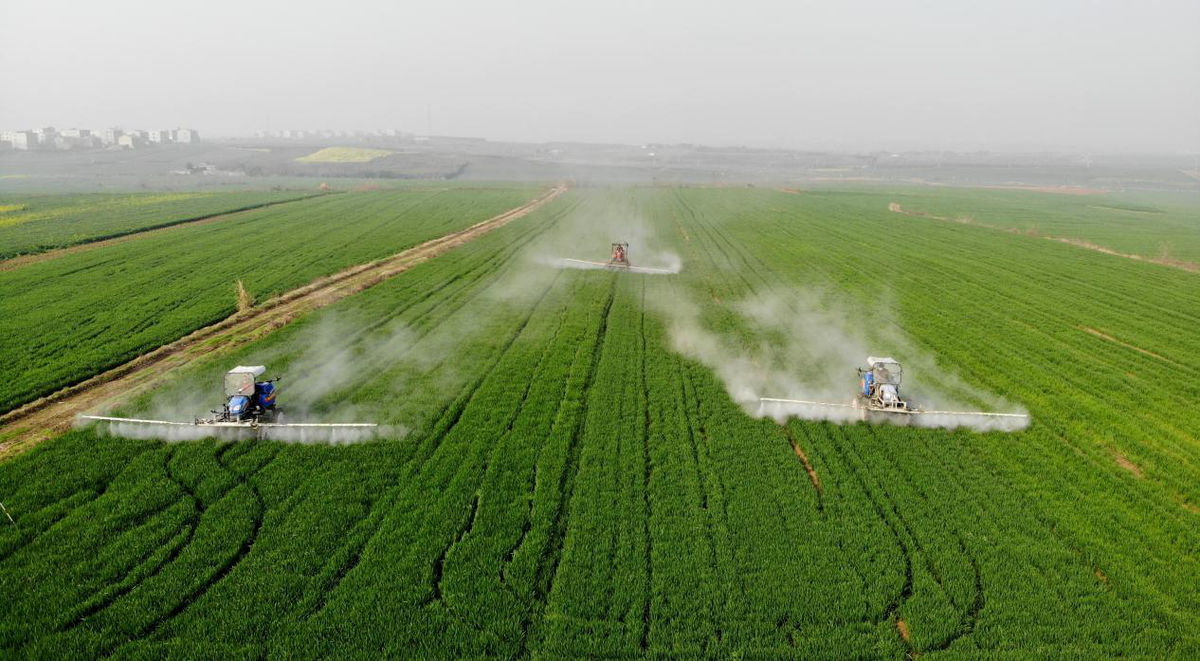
46	135
130	141
160	136
22	140
139	134
75	133
187	135
285	133
110	136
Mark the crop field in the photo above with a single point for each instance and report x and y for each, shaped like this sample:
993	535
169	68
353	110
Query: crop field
68	318
1151	226
569	466
37	223
344	155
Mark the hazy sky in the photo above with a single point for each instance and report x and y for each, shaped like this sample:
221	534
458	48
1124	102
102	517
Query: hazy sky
1100	76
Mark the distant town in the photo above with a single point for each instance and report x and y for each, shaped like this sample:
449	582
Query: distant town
307	134
74	138
50	138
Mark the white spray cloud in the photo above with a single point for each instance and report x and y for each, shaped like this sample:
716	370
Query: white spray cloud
335	354
587	234
806	346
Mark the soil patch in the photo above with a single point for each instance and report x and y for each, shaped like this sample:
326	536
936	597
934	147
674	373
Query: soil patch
812	472
1125	463
23	428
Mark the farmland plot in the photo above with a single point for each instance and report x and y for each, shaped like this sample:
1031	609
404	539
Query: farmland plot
69	318
556	480
1151	226
35	224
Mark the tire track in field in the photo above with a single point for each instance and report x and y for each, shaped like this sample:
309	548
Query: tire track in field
30	424
246	480
732	249
151	628
552	555
520	408
71	621
971	610
832	476
449	420
906	590
927	562
462	403
732	576
373	518
701	485
435	591
709	231
649	588
97	490
528	525
95	605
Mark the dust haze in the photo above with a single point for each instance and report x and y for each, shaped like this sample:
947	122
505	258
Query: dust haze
319	367
808	344
1118	76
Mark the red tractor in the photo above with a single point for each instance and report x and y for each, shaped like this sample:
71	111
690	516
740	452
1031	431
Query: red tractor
620	255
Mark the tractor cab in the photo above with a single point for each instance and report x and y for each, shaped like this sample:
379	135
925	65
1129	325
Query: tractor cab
247	397
620	254
881	384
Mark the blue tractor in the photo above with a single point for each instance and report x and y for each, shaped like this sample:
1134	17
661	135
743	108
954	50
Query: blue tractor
248	399
880	386
250	405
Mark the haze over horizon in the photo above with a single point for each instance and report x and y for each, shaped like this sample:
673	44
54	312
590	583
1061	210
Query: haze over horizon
1101	76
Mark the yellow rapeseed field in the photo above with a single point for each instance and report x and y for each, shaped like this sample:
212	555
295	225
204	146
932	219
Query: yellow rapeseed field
344	155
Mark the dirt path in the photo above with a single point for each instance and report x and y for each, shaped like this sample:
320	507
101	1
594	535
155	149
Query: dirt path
25	260
1163	260
54	414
